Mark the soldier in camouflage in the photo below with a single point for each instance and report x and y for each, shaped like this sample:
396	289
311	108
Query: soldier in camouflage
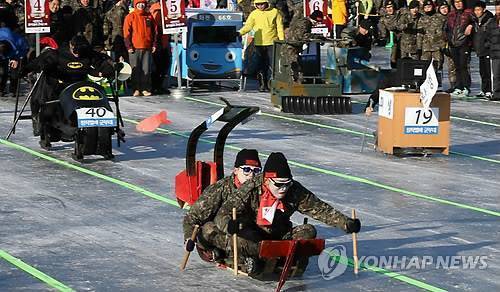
431	39
387	24
246	7
88	22
408	23
113	30
18	8
203	212
297	35
264	206
444	9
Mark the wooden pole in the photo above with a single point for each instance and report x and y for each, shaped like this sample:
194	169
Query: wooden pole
187	253
235	248
355	246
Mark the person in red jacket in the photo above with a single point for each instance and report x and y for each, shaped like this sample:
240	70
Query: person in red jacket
140	36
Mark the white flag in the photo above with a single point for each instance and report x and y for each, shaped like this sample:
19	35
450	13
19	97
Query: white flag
429	88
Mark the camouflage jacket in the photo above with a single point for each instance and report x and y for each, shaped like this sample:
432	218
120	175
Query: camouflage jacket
19	10
300	30
113	25
408	25
88	22
431	36
246	200
208	204
387	24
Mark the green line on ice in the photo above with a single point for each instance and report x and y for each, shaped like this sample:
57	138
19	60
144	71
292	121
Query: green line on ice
34	272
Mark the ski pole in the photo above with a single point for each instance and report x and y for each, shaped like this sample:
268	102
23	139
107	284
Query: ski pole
366	130
187	253
235	248
355	246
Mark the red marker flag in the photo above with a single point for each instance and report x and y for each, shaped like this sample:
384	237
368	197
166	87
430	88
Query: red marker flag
150	124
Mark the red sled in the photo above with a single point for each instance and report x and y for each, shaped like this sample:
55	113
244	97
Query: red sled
290	250
190	183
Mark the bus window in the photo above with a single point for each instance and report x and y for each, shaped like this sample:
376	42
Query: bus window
214	34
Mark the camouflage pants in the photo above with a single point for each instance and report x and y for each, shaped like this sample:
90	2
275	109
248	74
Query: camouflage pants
436	55
410	54
248	239
395	54
291	56
452	71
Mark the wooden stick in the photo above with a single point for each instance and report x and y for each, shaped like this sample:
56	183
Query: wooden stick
187	253
235	248
355	246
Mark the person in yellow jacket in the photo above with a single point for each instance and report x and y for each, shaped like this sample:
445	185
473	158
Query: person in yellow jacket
339	17
267	24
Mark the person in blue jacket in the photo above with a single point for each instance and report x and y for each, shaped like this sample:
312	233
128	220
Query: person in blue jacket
13	48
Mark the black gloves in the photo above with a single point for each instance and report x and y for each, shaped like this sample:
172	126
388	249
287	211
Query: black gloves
352	225
233	226
189	246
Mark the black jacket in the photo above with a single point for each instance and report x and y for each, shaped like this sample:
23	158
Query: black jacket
493	39
479	35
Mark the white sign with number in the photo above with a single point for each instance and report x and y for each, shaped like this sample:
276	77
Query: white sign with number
386	104
419	120
95	117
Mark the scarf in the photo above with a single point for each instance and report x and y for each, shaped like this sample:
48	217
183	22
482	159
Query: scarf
267	207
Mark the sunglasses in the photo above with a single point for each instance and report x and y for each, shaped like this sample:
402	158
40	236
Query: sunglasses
282	185
247	170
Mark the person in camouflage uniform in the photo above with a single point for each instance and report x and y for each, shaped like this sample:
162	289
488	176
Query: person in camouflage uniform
360	36
297	35
444	9
408	23
246	7
18	8
431	39
113	30
204	210
88	22
387	24
264	206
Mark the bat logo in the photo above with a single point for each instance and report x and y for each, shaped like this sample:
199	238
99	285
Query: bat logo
86	93
74	65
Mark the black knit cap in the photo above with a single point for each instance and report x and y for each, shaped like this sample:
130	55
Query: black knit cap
428	2
413	4
443	3
365	23
247	157
277	166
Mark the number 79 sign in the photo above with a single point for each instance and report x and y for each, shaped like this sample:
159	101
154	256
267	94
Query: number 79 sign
37	16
